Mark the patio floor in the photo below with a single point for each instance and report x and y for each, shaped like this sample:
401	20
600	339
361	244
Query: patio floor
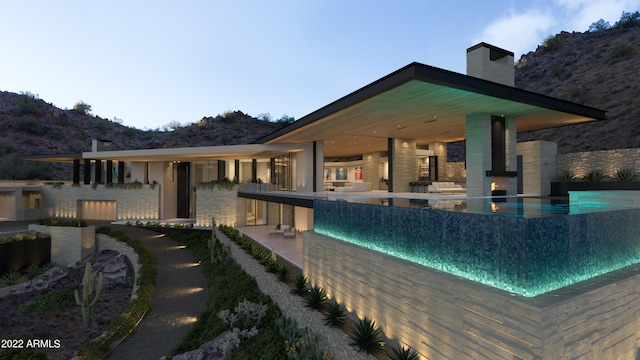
289	248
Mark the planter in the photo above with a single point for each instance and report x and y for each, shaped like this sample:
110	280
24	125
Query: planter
563	188
69	244
17	255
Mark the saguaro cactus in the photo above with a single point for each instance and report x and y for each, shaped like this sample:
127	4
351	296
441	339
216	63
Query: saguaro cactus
91	288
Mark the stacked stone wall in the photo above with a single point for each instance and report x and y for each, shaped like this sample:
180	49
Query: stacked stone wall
607	161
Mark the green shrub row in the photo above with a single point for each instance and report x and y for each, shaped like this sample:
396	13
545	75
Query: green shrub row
122	326
299	344
62	222
621	174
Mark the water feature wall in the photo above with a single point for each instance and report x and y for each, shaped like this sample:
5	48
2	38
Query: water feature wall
526	256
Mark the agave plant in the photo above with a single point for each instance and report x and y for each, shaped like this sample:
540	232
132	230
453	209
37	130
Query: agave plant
11	277
284	273
593	176
402	353
336	314
366	336
567	176
625	174
300	284
316	297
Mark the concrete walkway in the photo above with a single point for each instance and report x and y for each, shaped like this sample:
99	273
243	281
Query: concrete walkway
181	293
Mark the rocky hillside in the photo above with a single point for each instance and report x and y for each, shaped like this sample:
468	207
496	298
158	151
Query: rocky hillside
29	126
597	69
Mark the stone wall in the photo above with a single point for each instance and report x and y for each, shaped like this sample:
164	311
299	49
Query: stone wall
219	204
453	171
131	204
444	317
607	161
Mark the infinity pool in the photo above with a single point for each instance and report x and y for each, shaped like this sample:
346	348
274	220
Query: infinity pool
527	247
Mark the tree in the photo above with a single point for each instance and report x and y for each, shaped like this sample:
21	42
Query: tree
285	120
264	117
82	108
599	25
627	20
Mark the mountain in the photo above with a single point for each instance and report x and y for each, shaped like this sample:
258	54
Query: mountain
597	69
30	126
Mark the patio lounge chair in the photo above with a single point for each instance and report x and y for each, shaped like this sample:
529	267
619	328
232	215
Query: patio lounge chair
280	230
290	233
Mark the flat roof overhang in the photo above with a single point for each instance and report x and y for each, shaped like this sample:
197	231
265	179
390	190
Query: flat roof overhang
427	104
187	154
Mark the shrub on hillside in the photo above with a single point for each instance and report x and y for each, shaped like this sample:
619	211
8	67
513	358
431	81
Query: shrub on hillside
82	108
29	125
29	103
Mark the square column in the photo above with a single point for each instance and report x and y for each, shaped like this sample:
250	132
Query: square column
478	158
371	169
402	164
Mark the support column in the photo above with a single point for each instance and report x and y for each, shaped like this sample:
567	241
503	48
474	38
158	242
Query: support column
478	158
318	166
402	164
109	174
511	157
121	171
371	169
440	150
222	167
87	171
98	172
254	170
76	171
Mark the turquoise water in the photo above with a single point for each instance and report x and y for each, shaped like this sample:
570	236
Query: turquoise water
525	247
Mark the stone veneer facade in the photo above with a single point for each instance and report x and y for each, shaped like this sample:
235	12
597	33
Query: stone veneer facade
220	204
608	161
135	204
445	317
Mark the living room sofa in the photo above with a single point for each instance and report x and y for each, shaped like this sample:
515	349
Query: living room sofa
355	187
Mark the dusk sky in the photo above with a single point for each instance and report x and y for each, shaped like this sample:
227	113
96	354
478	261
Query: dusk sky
149	63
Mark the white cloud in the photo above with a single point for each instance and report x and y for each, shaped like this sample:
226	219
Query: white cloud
518	32
582	13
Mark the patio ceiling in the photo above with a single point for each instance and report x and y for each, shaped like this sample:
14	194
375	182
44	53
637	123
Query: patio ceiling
427	104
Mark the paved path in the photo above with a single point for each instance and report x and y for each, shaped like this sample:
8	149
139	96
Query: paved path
180	297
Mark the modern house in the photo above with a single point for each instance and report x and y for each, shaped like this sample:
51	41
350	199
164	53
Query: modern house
451	285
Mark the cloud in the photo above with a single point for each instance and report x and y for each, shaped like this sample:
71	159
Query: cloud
582	13
518	32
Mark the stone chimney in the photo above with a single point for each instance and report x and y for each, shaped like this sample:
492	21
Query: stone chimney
491	63
101	145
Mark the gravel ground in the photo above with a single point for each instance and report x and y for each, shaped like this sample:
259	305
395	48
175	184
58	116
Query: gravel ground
333	340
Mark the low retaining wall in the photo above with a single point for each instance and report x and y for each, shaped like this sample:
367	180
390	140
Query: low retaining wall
445	317
69	244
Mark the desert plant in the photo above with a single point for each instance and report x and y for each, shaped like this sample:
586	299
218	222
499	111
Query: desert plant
299	343
33	271
622	51
593	176
91	288
316	297
11	277
300	284
366	336
624	174
82	108
567	176
336	314
402	353
53	300
284	274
